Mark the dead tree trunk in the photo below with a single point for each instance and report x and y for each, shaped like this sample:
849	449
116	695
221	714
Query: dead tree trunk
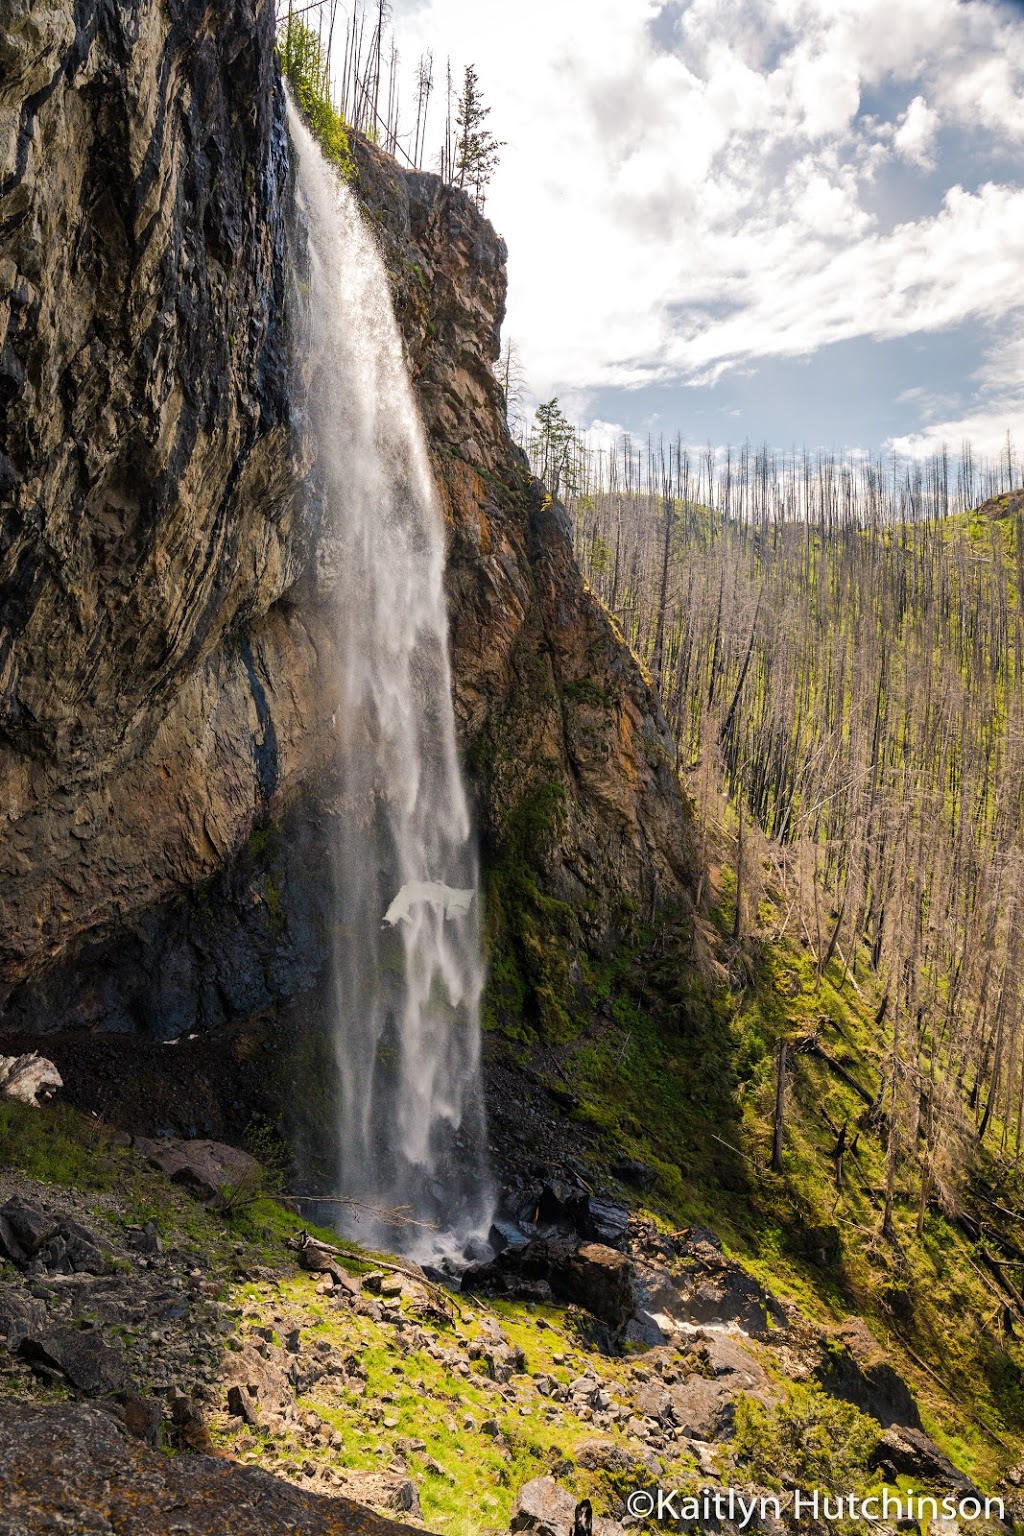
780	1108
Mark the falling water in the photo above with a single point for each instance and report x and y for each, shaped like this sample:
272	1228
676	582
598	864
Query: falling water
406	996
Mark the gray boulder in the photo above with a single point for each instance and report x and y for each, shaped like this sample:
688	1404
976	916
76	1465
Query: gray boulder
592	1275
206	1168
546	1509
91	1365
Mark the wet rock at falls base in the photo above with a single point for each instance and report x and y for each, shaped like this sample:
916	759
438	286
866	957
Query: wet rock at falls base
594	1277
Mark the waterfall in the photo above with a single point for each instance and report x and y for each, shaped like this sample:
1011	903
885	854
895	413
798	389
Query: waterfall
406	992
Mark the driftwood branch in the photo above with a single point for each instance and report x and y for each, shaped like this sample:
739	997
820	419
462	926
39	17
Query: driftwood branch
319	1258
392	1216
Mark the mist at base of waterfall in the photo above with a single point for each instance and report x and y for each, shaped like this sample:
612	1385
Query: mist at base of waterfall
406	998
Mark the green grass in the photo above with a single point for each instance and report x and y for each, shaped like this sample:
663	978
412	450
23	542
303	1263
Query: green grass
430	1404
58	1145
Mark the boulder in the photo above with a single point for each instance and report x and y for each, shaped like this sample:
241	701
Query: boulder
25	1229
30	1079
617	1460
63	1246
638	1175
543	1507
206	1168
386	1491
654	1401
243	1403
89	1363
593	1276
502	1358
19	1316
855	1368
912	1453
658	1309
604	1221
704	1405
257	1378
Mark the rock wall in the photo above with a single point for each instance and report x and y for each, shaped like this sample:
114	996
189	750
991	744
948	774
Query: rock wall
156	674
165	731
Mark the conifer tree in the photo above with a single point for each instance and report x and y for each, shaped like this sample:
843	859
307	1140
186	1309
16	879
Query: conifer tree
476	148
556	442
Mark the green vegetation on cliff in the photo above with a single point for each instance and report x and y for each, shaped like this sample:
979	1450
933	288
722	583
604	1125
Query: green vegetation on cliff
305	65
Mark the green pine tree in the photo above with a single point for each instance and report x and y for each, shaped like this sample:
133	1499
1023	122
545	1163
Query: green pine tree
476	148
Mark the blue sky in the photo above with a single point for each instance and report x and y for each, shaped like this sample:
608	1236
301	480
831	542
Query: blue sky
799	221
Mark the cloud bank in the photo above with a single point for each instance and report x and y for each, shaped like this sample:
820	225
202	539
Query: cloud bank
691	187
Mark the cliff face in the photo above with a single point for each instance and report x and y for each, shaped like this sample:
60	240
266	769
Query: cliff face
164	728
154	688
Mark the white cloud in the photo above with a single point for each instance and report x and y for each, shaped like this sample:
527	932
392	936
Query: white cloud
679	200
994	410
914	139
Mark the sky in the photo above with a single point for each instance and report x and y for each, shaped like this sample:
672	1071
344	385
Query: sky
793	221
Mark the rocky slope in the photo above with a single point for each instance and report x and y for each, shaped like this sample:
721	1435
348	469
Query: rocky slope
133	1317
165	732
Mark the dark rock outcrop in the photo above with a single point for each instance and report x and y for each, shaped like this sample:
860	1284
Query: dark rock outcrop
855	1367
589	1274
154	687
912	1453
79	1460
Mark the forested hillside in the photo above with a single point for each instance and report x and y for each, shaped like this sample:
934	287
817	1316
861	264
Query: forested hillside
853	679
840	650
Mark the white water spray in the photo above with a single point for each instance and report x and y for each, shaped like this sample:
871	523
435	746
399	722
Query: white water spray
406	995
